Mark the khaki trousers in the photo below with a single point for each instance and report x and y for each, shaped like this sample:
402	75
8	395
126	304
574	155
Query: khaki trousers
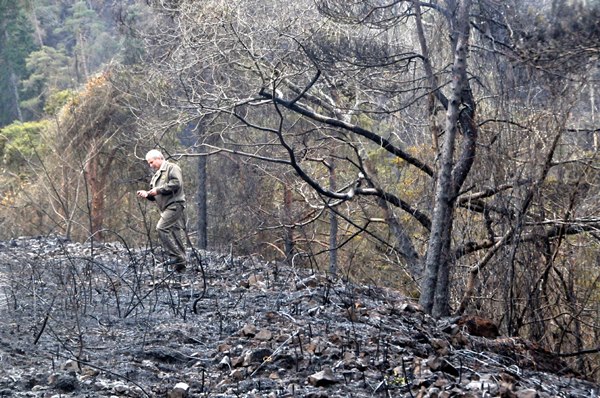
170	228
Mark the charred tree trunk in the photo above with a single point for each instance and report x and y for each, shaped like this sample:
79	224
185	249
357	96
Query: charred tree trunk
288	232
450	175
201	204
333	223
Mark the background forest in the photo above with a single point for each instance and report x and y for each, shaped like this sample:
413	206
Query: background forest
444	148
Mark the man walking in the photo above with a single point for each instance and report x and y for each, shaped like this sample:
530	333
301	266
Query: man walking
166	189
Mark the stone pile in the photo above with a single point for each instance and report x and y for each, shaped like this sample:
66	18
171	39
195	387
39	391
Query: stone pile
103	321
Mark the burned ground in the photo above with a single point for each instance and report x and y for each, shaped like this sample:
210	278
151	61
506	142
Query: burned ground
101	320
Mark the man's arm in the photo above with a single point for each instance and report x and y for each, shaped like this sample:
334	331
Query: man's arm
174	178
150	195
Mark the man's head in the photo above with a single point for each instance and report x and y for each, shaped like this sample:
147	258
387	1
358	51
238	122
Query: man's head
155	159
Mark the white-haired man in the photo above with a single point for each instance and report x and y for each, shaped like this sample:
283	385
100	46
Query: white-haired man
166	189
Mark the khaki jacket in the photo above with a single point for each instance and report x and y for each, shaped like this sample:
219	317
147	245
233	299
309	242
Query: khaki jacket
168	180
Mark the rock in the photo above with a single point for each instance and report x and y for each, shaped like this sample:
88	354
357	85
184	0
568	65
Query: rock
66	383
249	330
179	391
225	362
459	338
349	359
441	364
264	335
163	354
316	347
256	281
485	385
410	308
479	326
311	282
285	361
322	378
120	388
88	373
224	348
507	393
441	346
257	356
237	361
238	374
70	365
526	393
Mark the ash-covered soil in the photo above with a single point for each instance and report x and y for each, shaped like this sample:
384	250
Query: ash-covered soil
102	320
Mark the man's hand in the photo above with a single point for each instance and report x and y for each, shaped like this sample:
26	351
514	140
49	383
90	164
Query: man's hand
145	194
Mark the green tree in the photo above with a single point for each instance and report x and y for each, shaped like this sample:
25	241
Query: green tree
16	43
49	74
19	143
93	44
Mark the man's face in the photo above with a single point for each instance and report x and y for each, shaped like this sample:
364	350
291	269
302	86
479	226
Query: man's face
155	163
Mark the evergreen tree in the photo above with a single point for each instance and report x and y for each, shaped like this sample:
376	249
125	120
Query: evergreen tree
48	74
16	43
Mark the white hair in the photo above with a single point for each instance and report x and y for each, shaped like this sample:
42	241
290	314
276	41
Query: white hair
154	154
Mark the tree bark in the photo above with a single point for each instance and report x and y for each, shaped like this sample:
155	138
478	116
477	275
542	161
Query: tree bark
288	232
435	290
201	204
97	170
333	223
